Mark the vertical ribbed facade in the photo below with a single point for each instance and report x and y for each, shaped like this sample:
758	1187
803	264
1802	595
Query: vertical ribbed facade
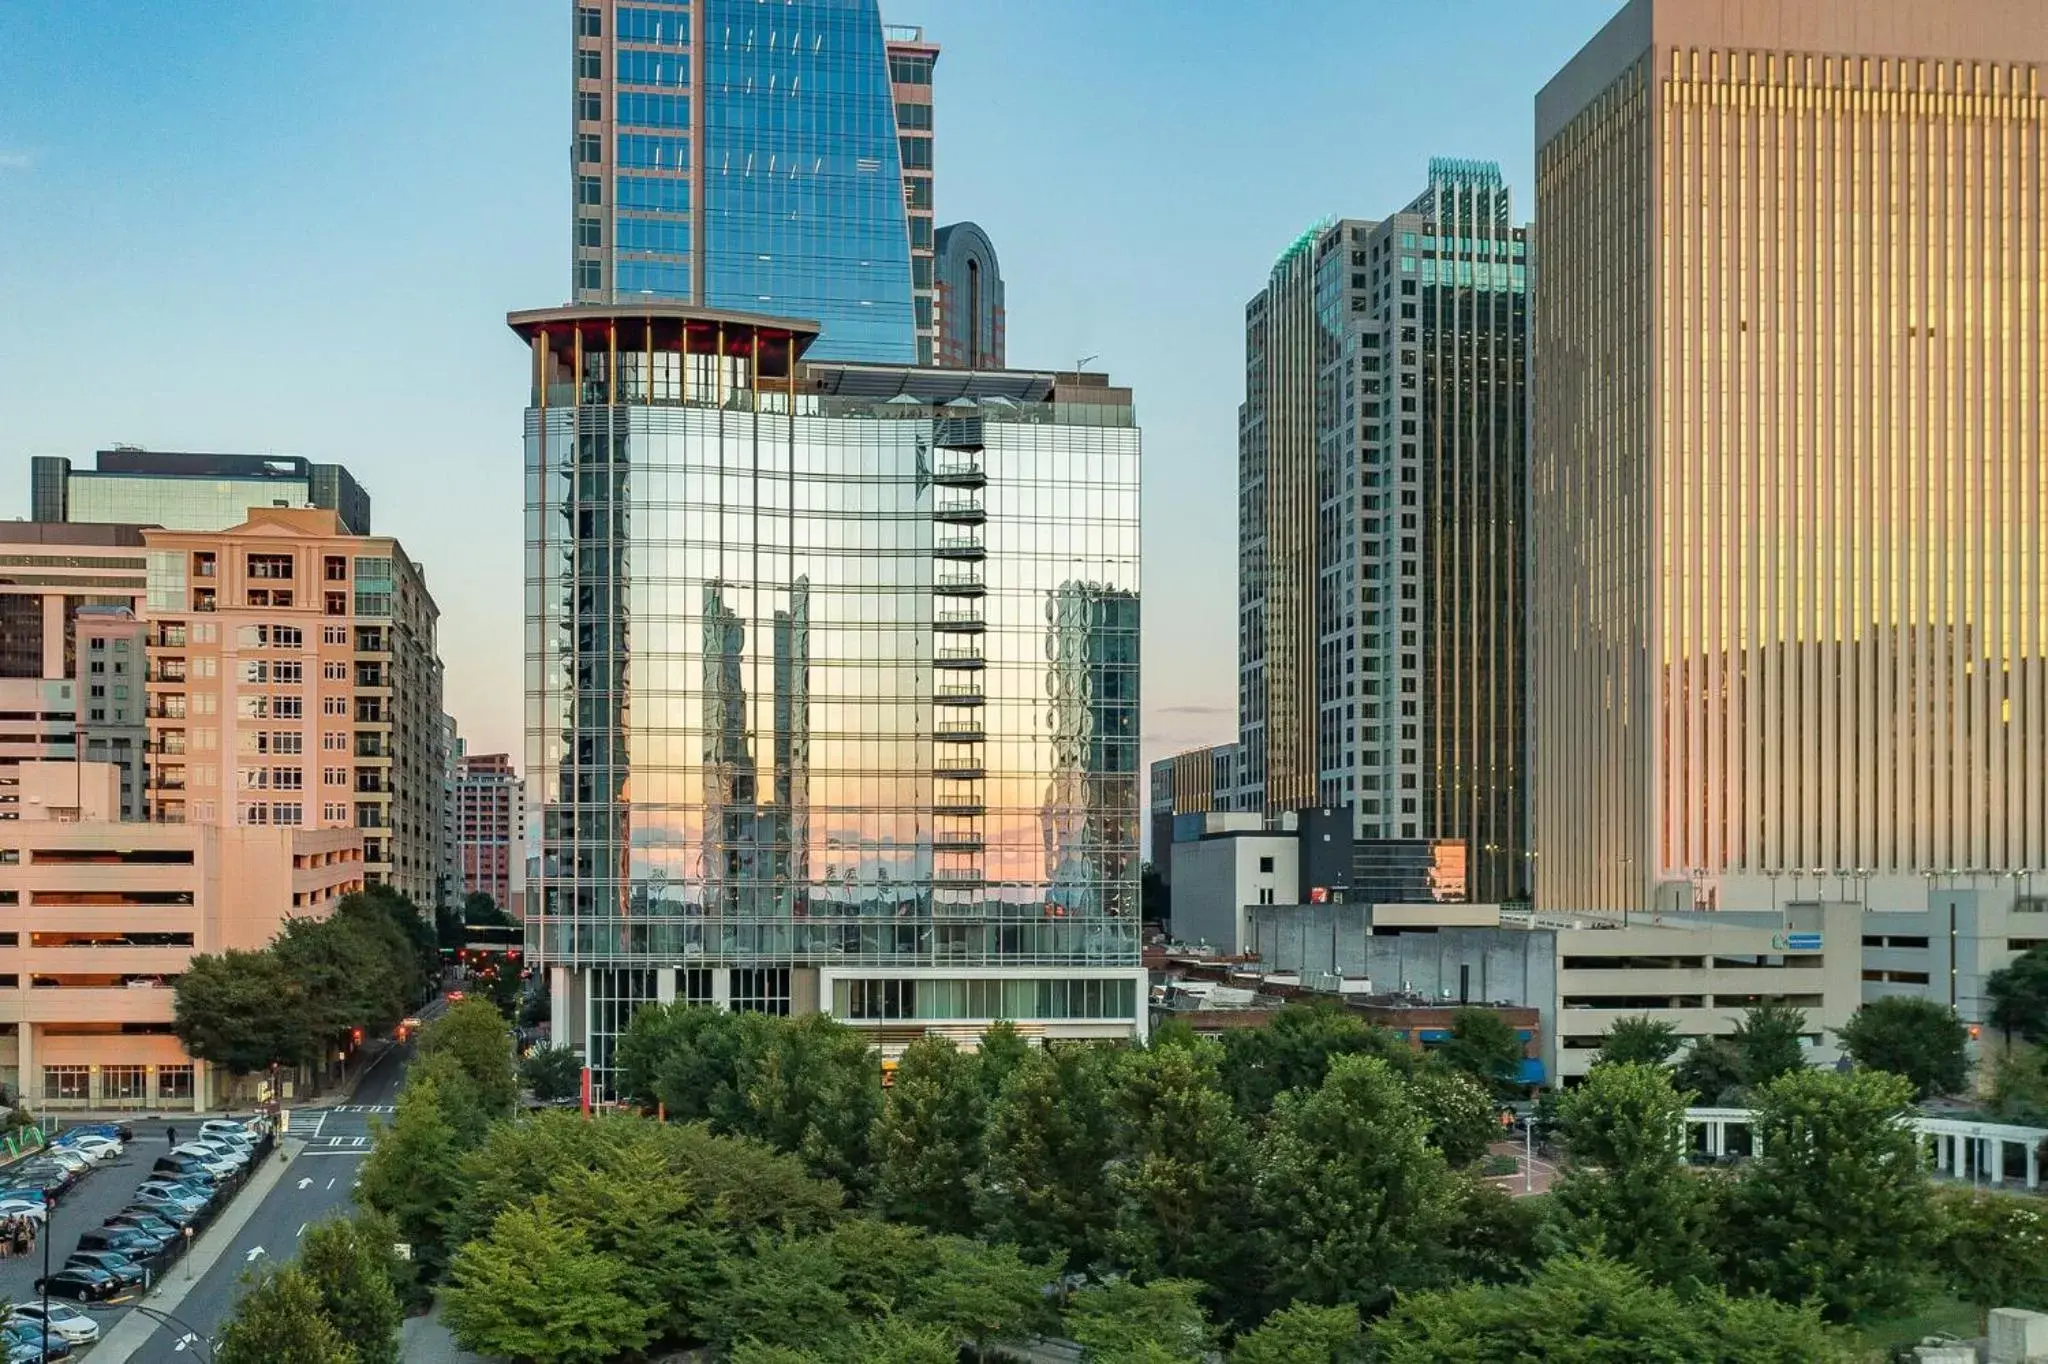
1788	498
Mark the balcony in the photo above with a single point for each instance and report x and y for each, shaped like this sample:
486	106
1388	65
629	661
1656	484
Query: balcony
969	659
372	746
959	694
960	769
959	511
373	782
959	805
168	637
958	433
168	670
165	707
958	876
959	474
960	732
960	622
964	548
968	585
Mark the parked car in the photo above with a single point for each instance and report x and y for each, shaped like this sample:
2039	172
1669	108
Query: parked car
22	1335
119	1131
215	1164
185	1169
151	1241
75	1326
229	1127
127	1272
238	1156
33	1208
134	1244
47	1176
171	1184
187	1209
145	1219
97	1145
81	1283
33	1195
69	1157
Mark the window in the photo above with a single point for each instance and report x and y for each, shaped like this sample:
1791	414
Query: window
664	27
288	673
270	566
255	670
917	152
589	191
256	813
653	111
1266	864
286	741
590	65
649	195
334	812
66	1083
918	193
335	604
589	23
287	778
288	813
589	107
589	275
590	232
174	1083
670	70
910	68
589	148
373	603
334	705
665	236
646	151
334	634
913	115
124	1084
334	742
334	776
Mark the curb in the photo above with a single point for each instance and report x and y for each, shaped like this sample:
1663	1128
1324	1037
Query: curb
133	1331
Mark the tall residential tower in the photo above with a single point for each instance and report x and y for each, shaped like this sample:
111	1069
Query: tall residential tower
832	682
745	156
1382	444
1790	501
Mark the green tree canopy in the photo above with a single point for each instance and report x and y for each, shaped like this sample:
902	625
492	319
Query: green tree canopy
346	974
1836	1207
928	1142
1355	1202
1628	1193
695	1060
1463	1118
1586	1310
1002	1049
2019	1086
1183	1176
1303	1334
2019	996
552	1073
246	1011
1294	1051
1050	1140
475	1035
1993	1250
1485	1046
1921	1039
1711	1071
981	1294
815	1091
411	932
280	1321
534	1289
350	1267
1768	1037
788	1296
1642	1041
1160	1322
411	1173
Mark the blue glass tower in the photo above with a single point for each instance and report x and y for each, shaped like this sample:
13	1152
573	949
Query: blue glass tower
736	154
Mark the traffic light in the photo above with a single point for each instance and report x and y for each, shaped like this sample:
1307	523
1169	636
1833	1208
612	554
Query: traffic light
356	1036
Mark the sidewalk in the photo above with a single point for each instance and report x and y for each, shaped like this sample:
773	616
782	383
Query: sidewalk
426	1341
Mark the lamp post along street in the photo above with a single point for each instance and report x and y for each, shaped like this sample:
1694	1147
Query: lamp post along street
49	1234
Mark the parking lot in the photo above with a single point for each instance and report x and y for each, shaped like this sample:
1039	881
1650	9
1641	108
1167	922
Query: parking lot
101	1193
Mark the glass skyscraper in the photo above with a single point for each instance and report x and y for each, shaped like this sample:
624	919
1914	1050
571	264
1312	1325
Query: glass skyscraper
746	156
832	682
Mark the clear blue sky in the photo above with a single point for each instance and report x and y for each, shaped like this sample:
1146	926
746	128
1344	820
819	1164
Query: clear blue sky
296	226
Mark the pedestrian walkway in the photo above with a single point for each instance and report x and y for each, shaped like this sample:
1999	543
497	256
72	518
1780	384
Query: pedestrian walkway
427	1341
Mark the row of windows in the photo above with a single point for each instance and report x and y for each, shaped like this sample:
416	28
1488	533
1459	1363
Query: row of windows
664	236
118	1084
660	27
669	70
654	111
984	999
648	195
648	151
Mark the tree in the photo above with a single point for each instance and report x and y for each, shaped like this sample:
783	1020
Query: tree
1050	1139
1463	1119
1711	1072
1355	1201
815	1092
1585	1310
1640	1041
981	1294
1183	1176
1769	1040
2019	1086
640	1214
1836	1207
786	1294
888	1341
1001	1051
479	910
552	1073
410	932
2019	996
1294	1051
1920	1039
411	1172
1628	1194
352	1274
280	1321
695	1060
1160	1322
346	980
1485	1046
243	1010
474	1034
928	1142
535	1290
1303	1334
1993	1250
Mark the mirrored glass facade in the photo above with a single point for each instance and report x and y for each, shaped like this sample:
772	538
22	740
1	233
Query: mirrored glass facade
745	156
821	673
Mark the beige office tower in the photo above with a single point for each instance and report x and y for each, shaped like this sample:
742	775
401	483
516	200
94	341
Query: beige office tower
1788	495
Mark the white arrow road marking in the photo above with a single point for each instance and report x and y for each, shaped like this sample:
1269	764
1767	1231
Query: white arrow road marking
330	1183
306	1183
251	1257
187	1339
302	1228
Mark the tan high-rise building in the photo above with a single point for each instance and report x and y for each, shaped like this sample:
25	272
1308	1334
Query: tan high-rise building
293	681
1789	502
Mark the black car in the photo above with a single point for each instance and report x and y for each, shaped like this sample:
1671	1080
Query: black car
46	1176
143	1219
130	1242
178	1214
127	1272
186	1170
80	1284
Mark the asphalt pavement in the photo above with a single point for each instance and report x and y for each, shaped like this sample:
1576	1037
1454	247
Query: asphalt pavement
95	1198
317	1184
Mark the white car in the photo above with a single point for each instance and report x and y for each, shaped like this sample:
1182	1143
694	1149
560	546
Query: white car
209	1159
227	1146
24	1207
227	1128
94	1147
75	1161
73	1325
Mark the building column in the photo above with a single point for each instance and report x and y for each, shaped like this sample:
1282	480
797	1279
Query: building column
1994	1153
563	1009
665	985
1717	1138
2033	1167
721	988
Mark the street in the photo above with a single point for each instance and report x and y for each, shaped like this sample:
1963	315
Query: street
317	1184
